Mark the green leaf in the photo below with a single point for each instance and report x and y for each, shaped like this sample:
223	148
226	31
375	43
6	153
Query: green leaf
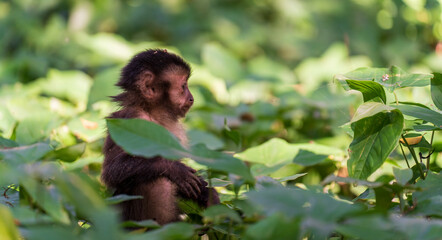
291	202
371	227
307	158
69	153
218	213
276	226
375	227
121	198
210	140
221	63
71	85
147	139
369	109
370	90
334	178
421	128
24	154
402	175
436	90
429	199
7	143
8	230
276	151
421	113
320	211
391	78
47	198
172	231
104	86
151	224
375	138
272	152
290	178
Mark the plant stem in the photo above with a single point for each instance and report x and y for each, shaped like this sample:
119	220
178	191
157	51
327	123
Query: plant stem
401	202
413	154
405	156
432	136
395	97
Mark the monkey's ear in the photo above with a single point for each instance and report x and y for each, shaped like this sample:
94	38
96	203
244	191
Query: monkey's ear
146	85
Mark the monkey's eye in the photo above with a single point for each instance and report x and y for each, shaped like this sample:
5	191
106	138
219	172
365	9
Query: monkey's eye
183	86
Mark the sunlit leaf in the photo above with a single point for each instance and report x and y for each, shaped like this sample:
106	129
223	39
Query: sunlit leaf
370	90
369	109
375	138
277	151
391	78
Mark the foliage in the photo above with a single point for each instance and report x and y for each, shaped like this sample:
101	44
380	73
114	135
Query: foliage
292	154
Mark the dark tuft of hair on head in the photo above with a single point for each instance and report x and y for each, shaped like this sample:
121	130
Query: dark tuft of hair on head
155	60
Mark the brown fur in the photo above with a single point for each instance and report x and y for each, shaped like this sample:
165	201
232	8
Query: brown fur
155	89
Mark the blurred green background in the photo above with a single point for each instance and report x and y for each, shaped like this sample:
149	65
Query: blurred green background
263	75
264	66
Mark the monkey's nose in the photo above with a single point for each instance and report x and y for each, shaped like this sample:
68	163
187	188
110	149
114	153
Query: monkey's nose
191	99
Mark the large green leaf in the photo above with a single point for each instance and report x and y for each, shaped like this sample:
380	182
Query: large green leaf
436	90
144	138
421	113
391	78
375	138
370	90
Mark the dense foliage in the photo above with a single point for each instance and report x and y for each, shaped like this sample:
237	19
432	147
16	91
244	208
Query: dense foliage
300	135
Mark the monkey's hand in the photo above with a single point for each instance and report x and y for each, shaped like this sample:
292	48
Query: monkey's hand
189	185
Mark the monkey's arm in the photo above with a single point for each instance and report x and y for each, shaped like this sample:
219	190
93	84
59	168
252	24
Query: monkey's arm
123	171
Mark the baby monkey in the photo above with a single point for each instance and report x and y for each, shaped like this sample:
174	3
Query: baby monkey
154	84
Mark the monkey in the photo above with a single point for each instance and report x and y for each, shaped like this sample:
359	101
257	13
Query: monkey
154	85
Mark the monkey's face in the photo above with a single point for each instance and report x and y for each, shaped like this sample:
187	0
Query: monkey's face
179	94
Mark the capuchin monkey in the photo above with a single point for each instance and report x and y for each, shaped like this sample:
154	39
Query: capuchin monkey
154	84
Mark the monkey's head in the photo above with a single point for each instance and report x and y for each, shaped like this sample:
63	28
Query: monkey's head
158	81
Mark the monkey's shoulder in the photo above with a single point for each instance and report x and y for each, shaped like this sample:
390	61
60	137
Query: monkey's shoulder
125	113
